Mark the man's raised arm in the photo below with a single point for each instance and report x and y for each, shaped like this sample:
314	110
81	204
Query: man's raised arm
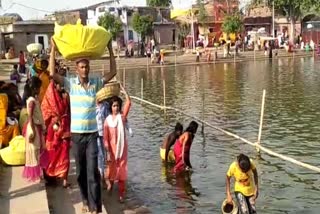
113	67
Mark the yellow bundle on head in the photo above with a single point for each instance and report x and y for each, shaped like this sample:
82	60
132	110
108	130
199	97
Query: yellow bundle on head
78	41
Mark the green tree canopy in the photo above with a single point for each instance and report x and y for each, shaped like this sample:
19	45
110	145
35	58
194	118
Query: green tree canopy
143	25
158	3
232	24
111	23
202	14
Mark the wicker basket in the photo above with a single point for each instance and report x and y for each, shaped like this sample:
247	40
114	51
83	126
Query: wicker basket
109	90
34	48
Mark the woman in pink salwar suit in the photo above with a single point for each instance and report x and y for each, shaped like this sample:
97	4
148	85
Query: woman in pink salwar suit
116	144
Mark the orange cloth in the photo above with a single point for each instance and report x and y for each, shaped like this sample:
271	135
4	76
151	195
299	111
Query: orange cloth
116	171
45	81
9	132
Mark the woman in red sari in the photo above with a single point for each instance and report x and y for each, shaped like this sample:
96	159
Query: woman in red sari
182	149
56	114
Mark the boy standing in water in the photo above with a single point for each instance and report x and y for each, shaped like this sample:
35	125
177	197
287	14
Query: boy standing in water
246	184
166	153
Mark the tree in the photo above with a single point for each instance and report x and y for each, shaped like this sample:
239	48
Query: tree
143	25
158	3
184	30
232	24
111	23
202	15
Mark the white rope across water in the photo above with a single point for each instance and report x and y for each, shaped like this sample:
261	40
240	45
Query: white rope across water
266	150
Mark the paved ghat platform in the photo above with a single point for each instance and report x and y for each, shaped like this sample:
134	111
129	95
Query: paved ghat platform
19	196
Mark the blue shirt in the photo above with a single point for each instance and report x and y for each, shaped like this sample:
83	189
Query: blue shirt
102	112
83	104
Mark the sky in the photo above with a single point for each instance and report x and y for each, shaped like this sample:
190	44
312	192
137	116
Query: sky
35	9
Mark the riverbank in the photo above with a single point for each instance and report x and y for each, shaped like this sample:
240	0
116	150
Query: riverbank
178	59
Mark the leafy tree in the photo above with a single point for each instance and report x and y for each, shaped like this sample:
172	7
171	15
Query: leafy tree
111	23
202	15
158	3
143	25
232	24
184	30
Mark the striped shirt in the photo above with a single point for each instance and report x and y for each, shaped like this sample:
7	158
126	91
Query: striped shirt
83	104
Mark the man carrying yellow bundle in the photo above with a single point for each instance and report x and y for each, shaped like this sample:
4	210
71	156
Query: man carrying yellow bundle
82	89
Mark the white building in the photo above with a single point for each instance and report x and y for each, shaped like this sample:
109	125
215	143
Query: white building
119	10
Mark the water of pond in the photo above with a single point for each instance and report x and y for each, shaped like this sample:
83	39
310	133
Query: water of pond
229	96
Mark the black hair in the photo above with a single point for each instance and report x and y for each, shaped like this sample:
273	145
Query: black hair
178	127
44	63
244	162
193	126
113	100
2	83
84	60
30	88
15	66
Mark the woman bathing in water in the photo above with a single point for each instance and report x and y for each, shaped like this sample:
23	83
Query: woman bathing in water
182	148
166	153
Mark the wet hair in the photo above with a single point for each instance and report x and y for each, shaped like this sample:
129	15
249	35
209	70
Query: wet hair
193	126
178	127
30	88
113	100
244	162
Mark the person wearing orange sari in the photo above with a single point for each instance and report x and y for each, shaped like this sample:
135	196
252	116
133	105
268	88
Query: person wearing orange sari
44	77
56	114
116	144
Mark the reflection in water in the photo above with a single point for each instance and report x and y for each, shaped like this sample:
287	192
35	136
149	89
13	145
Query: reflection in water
182	186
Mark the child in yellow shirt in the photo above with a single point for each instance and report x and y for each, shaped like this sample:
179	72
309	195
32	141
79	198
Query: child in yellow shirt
246	185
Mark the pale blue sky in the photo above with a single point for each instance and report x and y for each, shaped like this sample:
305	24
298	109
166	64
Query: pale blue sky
12	6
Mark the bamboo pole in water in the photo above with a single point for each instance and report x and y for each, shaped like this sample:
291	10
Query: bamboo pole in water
261	119
175	58
141	88
266	150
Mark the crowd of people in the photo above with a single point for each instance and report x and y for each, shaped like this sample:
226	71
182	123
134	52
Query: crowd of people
58	111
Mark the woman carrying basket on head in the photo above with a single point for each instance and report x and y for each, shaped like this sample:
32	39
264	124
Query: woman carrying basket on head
116	144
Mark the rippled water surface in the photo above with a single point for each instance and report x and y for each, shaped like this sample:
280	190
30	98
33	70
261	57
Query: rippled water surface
229	96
